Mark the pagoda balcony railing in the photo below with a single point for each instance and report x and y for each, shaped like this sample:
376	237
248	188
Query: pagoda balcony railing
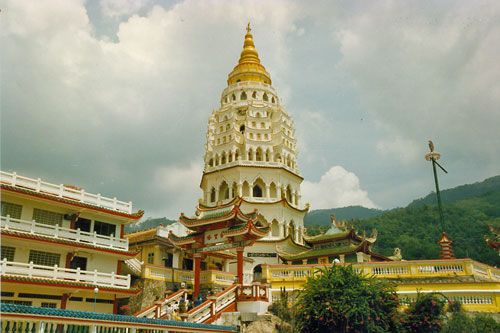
57	232
55	273
162	273
64	191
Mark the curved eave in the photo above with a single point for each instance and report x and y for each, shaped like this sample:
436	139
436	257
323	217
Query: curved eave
14	189
311	255
249	228
202	208
235	213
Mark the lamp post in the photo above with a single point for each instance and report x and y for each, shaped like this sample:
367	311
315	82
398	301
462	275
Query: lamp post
96	290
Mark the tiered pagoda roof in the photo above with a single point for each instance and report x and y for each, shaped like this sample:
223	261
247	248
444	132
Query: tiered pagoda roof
228	219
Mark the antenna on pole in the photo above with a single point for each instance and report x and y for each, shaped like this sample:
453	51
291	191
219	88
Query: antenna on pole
433	157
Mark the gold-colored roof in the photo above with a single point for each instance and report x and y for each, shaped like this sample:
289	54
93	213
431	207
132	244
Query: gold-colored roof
249	67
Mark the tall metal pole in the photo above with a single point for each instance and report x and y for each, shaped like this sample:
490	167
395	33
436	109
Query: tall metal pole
433	157
440	207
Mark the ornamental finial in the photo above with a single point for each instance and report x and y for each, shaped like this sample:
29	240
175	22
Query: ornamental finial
248	28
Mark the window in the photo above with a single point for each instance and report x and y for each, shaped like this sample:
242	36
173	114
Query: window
8	252
257	192
106	229
151	258
83	224
47	217
254	124
78	262
242	129
168	260
8	301
49	305
11	209
44	258
262	125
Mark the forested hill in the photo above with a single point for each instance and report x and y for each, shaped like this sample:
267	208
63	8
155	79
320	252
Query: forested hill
460	192
149	223
321	217
416	229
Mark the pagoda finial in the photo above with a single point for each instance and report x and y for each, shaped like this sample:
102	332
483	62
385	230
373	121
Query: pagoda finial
249	67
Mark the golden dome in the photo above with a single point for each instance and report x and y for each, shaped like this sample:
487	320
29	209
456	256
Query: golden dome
249	67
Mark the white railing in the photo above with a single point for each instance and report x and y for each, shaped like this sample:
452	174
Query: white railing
200	313
384	270
10	268
165	305
134	264
225	298
438	269
63	191
55	231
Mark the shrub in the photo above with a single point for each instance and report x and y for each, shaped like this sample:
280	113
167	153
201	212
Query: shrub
426	314
338	299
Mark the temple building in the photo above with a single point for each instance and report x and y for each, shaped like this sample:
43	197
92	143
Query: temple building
63	247
339	242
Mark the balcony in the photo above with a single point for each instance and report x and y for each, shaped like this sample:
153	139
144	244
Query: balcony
55	273
206	277
65	192
57	232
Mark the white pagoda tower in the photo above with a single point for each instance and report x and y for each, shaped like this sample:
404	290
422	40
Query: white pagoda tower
251	153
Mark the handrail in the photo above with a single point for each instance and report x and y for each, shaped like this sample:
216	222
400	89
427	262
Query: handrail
64	191
11	268
149	312
55	231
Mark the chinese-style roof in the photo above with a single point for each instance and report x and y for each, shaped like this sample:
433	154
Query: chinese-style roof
337	231
13	309
149	235
331	251
248	228
66	242
64	283
184	240
21	190
217	215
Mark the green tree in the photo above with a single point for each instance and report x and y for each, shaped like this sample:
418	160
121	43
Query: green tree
426	314
338	299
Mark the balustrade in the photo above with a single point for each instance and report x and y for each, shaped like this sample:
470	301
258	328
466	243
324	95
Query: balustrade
63	191
57	232
56	273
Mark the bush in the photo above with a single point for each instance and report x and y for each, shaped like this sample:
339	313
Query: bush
426	314
338	299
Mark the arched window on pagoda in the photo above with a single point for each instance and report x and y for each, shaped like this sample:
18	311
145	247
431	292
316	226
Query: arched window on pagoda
223	191
211	162
234	191
291	229
243	96
246	189
289	194
265	97
273	191
275	229
212	195
254	95
257	191
268	155
223	158
258	154
250	154
237	155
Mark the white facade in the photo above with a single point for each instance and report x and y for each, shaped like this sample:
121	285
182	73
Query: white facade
251	152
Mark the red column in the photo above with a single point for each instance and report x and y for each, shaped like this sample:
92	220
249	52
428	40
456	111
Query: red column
122	230
64	300
239	252
197	261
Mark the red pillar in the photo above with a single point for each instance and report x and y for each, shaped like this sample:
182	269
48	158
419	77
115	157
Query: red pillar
239	252
122	230
64	300
197	261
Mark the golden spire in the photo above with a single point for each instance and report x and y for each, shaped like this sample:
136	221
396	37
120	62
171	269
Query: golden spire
249	67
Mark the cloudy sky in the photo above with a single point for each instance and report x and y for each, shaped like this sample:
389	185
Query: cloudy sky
114	95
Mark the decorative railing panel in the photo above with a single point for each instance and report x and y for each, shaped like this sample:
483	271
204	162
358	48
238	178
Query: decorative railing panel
64	274
63	191
57	232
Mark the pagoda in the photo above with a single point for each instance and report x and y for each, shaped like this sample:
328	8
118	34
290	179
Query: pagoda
214	229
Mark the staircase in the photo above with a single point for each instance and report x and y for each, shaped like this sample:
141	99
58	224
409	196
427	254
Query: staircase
134	265
160	308
210	310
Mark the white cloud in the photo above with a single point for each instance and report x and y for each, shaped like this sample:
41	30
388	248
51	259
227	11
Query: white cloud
336	188
183	186
120	8
399	149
